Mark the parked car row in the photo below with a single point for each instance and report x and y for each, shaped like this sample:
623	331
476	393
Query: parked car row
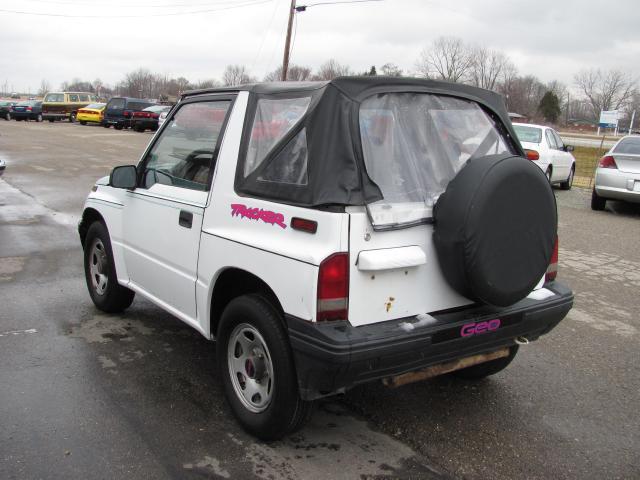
119	112
25	110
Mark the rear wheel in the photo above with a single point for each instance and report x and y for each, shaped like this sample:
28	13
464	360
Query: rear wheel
7	116
483	370
548	174
566	185
118	127
82	122
257	369
39	118
597	202
106	125
72	117
100	272
51	120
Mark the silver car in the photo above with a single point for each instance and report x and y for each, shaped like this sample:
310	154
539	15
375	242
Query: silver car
618	174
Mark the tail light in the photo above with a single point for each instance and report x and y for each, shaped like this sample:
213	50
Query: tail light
607	162
29	109
127	113
333	288
552	269
532	155
154	115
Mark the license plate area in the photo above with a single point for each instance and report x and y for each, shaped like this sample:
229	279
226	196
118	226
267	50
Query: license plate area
475	328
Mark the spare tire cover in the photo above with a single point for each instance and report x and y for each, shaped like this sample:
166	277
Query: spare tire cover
495	228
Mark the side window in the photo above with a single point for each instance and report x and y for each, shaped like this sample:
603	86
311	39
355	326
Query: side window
274	118
84	98
550	139
559	142
73	97
184	155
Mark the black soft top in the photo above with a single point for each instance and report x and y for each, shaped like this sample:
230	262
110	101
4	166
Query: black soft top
336	171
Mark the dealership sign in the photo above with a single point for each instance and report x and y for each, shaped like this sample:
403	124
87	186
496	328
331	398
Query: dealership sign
608	119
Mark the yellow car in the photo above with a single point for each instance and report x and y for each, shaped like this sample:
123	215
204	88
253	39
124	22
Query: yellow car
92	113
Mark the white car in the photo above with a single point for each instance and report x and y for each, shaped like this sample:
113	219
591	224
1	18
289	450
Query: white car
328	234
545	148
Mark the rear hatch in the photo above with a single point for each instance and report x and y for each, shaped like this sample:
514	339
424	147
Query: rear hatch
115	109
413	144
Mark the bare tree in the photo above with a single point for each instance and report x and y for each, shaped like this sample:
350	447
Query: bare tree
332	69
210	83
608	90
448	58
44	88
295	73
488	67
236	75
522	94
391	70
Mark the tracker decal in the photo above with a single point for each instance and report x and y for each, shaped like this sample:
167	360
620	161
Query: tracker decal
267	216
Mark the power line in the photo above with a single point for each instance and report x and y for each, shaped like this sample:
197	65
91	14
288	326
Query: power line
338	3
110	4
168	14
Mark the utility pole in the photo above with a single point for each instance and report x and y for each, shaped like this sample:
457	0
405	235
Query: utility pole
287	43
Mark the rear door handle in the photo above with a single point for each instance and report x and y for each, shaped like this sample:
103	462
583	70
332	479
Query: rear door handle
186	219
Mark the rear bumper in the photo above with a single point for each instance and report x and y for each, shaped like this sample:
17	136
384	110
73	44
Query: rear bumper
617	185
124	122
333	357
55	116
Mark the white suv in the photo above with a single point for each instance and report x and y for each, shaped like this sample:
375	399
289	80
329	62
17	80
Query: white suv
330	234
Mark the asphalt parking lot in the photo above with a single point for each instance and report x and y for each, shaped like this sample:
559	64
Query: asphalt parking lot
89	395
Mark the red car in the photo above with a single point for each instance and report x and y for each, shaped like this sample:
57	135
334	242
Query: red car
148	118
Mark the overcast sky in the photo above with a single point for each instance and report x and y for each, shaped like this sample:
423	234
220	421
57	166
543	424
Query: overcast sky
552	39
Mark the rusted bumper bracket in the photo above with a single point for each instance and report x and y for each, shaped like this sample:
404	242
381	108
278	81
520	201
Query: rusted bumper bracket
442	368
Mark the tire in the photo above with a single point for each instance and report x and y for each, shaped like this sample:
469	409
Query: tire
548	174
597	202
568	183
72	117
51	120
118	127
138	128
82	122
7	116
275	409
497	212
39	118
483	370
100	272
106	125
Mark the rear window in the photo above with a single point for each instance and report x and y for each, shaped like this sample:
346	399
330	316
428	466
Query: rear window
95	106
54	97
413	146
116	103
528	134
629	146
137	105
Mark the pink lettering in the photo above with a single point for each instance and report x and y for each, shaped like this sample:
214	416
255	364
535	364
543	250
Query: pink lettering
480	327
267	216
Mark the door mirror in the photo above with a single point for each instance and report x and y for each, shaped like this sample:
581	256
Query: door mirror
568	148
124	177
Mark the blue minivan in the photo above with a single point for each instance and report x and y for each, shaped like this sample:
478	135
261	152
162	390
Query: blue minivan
119	111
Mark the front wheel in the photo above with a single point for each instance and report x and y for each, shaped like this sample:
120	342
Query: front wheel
483	370
72	117
39	118
548	174
257	370
100	272
7	116
82	122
